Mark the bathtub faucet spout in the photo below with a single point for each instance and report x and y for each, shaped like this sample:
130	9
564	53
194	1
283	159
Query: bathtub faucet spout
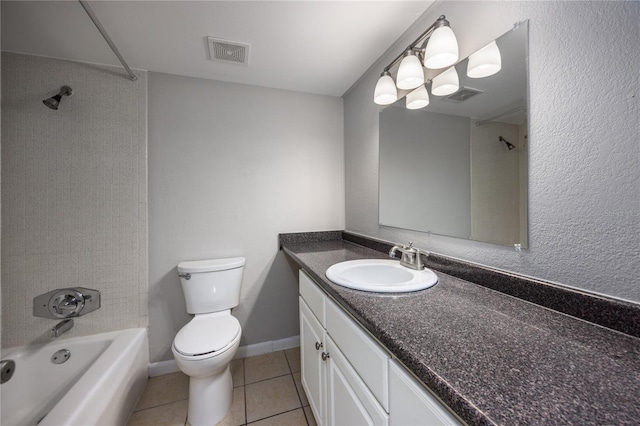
61	327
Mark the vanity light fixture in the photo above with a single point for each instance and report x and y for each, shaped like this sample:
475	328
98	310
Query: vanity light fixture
445	83
410	73
442	49
386	92
419	98
439	50
485	62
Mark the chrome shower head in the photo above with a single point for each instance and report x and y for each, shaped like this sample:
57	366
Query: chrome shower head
509	144
54	101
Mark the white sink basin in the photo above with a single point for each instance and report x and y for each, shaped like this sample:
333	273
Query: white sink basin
380	275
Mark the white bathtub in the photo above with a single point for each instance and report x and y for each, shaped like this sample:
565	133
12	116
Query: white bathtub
99	384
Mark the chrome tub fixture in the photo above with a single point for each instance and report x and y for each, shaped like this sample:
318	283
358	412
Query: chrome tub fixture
66	303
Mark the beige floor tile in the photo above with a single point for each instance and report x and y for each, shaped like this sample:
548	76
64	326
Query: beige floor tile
270	397
293	357
173	414
237	372
310	419
291	418
303	396
236	414
163	390
265	366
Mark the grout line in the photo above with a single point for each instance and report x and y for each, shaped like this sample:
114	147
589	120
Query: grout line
270	378
288	363
160	405
244	379
275	415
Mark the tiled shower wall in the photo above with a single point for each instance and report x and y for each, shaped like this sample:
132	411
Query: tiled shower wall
74	194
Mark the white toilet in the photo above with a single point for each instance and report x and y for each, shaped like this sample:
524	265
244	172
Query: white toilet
205	346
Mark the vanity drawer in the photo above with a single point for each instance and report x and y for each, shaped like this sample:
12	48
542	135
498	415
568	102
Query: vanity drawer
364	354
314	297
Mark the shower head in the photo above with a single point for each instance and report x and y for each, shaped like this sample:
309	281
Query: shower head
509	144
54	101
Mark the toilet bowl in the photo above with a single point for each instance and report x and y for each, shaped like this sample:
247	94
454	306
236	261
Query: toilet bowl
205	346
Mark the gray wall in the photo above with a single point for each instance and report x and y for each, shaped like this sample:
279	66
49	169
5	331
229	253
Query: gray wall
74	183
230	167
418	149
584	154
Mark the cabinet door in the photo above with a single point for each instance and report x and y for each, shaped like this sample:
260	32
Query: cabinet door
364	354
312	338
411	404
349	401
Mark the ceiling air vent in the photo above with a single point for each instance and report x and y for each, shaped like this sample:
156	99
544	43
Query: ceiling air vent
462	95
230	52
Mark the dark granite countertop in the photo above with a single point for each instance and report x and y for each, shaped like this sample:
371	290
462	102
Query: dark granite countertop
492	358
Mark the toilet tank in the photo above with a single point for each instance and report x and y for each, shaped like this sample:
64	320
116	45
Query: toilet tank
211	285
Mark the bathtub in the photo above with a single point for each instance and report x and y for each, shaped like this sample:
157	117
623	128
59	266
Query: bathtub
99	384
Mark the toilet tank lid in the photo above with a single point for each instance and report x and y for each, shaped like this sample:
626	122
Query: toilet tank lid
210	265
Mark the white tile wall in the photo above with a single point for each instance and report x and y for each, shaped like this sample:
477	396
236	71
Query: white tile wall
74	193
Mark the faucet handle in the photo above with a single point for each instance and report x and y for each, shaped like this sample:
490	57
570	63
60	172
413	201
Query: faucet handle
410	255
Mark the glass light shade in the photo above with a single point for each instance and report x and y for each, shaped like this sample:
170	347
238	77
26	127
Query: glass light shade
386	92
417	99
445	83
442	48
485	62
410	74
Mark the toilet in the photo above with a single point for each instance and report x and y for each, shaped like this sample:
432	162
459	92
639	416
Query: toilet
205	346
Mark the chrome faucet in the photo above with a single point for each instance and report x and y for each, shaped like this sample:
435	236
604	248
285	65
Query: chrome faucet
60	328
410	256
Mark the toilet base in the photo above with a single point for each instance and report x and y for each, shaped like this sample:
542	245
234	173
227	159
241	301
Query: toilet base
209	398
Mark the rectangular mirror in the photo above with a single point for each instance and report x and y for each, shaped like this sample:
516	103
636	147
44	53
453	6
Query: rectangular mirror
459	166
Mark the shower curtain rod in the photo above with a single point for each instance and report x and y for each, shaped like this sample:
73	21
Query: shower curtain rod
106	37
480	123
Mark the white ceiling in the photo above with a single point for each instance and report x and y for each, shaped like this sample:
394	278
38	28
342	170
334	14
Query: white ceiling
320	47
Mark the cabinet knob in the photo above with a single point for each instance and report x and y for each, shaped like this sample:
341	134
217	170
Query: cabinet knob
325	355
318	346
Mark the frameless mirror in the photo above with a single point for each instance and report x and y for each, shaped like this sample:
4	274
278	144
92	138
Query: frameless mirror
458	167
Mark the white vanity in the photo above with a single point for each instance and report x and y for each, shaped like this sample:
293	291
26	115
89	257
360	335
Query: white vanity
349	378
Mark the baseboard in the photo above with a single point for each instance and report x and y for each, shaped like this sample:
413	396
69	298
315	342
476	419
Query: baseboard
267	347
161	368
166	367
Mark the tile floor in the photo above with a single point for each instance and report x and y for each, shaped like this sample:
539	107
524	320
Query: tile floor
267	391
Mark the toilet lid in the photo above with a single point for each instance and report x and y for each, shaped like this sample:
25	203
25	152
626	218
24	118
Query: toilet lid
206	333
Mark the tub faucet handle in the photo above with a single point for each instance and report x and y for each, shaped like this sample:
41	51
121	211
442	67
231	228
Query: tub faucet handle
66	303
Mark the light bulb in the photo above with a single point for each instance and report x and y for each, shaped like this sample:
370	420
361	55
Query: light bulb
410	74
385	92
442	48
485	62
419	98
445	83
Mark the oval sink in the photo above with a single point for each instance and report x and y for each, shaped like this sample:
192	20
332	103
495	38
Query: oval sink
380	275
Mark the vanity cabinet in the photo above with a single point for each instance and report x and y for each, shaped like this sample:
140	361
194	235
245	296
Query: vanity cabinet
312	340
349	378
410	404
337	386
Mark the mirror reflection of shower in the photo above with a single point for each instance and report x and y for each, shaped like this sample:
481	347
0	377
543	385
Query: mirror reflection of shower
509	144
54	101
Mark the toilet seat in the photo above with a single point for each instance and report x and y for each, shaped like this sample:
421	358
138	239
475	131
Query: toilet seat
208	334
